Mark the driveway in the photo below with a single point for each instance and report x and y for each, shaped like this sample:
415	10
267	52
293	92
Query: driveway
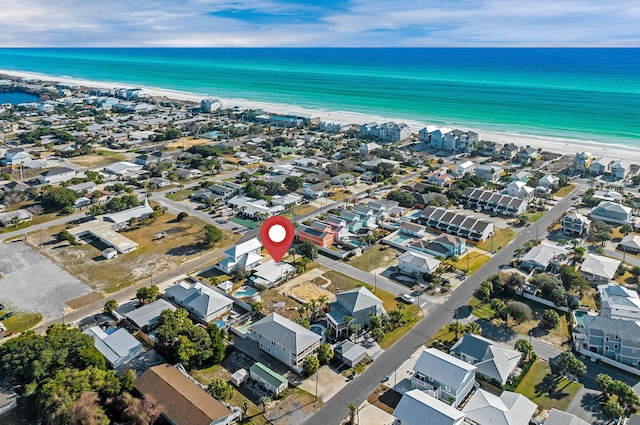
31	282
586	406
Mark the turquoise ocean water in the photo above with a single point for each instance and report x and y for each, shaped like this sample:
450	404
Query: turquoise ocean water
590	94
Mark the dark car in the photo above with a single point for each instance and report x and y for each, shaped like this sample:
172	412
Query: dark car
6	316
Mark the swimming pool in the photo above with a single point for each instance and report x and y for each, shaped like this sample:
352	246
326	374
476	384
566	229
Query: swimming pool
401	239
245	328
245	292
220	323
578	315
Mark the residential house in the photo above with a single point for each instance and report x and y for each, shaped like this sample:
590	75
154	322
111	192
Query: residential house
314	191
519	176
159	182
630	243
492	201
285	340
373	163
508	152
611	212
416	263
620	169
609	195
319	233
440	177
618	302
493	360
353	221
146	317
122	168
455	223
582	161
179	399
83	188
575	224
202	301
528	155
600	166
210	105
484	408
117	346
344	179
268	379
121	218
596	268
463	168
288	199
444	245
546	183
188	173
366	149
412	229
254	208
146	160
520	190
424	135
617	339
558	417
545	257
350	354
269	273
338	226
369	217
14	217
489	173
221	193
244	256
443	376
485	148
358	303
57	175
418	408
15	186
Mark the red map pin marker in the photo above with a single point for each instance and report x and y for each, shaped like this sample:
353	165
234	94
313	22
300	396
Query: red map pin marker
276	234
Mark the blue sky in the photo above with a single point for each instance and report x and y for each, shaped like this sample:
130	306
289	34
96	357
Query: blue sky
354	23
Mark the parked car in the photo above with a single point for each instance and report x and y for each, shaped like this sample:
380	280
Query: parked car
406	298
6	316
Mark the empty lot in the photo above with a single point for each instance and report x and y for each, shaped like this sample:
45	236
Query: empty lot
31	282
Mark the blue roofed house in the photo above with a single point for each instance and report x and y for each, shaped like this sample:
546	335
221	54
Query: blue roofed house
493	360
443	376
352	220
117	346
357	303
444	245
202	301
285	340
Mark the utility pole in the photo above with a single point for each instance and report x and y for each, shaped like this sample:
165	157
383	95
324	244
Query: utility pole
375	282
316	403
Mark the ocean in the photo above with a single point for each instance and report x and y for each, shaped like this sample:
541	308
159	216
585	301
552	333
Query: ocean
586	94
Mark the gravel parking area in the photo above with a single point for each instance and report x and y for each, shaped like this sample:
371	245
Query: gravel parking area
29	281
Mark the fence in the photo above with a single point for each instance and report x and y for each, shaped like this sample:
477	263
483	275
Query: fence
541	301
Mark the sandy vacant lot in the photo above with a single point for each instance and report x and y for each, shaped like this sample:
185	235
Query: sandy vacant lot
31	282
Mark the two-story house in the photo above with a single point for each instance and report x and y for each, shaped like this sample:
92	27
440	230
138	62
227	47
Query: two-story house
445	245
612	212
418	408
617	339
202	301
582	161
443	376
575	224
57	175
596	268
319	233
417	263
619	302
244	256
508	152
493	360
359	304
488	172
520	190
285	340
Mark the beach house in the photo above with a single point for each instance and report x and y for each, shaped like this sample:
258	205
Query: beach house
319	233
582	161
359	304
244	256
56	175
202	301
611	212
415	263
575	224
596	268
418	408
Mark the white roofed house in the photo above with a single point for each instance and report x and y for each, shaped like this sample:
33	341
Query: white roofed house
558	417
244	256
618	302
418	408
358	303
575	224
620	169
121	218
285	340
611	212
600	166
417	263
492	359
488	172
596	268
582	161
56	175
117	346
443	376
200	300
520	190
461	169
545	184
484	408
630	243
122	167
545	257
528	155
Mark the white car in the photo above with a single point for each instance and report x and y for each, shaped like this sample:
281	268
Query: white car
406	298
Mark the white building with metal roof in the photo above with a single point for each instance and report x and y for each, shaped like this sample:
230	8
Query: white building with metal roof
493	360
619	302
244	256
200	300
418	408
146	317
117	346
596	268
484	408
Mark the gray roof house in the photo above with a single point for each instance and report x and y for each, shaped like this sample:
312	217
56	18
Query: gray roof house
117	346
285	340
630	243
596	268
493	360
200	300
443	376
349	353
510	408
243	256
146	317
542	257
558	417
418	408
574	224
619	302
357	303
617	339
611	212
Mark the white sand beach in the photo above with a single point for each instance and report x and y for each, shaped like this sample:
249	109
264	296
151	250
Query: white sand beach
552	144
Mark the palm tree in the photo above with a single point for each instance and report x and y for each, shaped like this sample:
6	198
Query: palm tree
519	252
626	229
474	328
456	327
348	320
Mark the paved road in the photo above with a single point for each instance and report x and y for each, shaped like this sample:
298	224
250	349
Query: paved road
336	409
543	350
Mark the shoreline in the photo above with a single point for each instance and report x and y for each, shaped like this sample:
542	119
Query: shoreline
560	145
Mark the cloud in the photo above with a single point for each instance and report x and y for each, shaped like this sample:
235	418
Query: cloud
304	23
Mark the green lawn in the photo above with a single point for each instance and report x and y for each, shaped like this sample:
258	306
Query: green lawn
443	335
116	156
180	195
374	258
480	310
475	261
564	191
501	238
535	216
545	389
20	322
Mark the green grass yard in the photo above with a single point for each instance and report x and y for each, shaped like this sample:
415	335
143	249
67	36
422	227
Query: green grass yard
20	322
180	195
535	216
501	238
545	389
374	258
564	191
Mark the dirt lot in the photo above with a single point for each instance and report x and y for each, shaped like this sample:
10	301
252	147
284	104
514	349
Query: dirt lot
307	291
93	160
153	255
187	142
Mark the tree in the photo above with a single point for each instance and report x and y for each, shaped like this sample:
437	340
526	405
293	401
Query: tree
612	409
405	199
211	235
569	363
524	347
626	229
604	381
147	295
245	406
550	319
293	183
353	409
519	311
140	411
498	306
181	216
87	411
456	327
308	250
484	293
257	307
325	353
474	328
551	288
64	235
58	198
110	305
265	401
310	364
220	390
635	272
